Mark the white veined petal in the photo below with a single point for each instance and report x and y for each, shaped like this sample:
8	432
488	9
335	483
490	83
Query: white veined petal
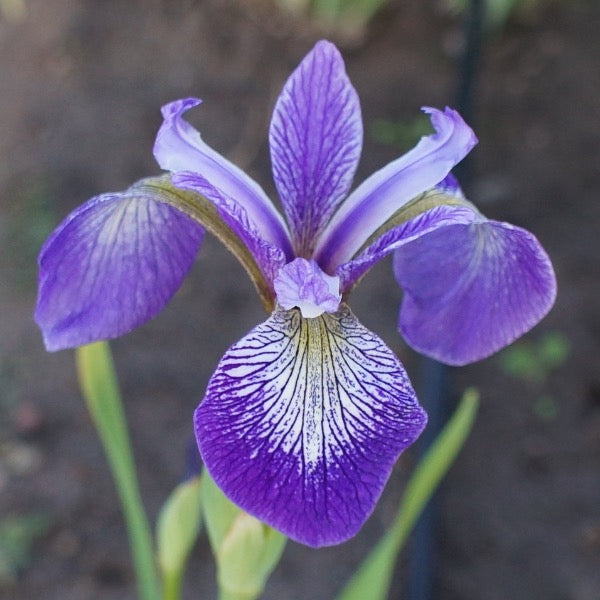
303	421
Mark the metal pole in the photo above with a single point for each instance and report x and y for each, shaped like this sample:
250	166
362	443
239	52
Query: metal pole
433	383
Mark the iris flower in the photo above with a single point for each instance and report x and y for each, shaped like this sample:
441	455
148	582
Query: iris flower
306	415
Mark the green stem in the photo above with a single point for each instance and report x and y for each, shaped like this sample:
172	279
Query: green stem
172	585
229	595
100	389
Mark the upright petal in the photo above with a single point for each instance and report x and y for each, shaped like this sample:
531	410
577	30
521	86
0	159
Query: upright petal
110	266
316	139
179	147
387	190
303	421
471	289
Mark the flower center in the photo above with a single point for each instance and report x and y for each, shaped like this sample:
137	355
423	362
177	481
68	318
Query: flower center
302	284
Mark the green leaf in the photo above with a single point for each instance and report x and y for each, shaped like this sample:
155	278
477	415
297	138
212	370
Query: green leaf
546	408
401	134
98	382
248	554
534	362
374	576
346	17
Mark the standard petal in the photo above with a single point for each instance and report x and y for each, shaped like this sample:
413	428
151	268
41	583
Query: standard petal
316	140
269	257
303	421
179	147
471	289
110	266
387	190
440	216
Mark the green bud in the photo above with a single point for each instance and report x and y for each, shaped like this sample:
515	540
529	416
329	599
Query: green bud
245	549
178	526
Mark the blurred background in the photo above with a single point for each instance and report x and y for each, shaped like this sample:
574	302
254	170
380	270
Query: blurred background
81	85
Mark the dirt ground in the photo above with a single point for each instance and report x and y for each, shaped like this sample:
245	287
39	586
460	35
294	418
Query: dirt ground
81	84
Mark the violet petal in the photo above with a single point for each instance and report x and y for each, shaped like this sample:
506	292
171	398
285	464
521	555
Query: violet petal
110	266
316	140
440	216
179	147
471	289
302	423
387	190
269	257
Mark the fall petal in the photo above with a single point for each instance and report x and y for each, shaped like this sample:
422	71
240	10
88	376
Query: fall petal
471	289
303	421
110	266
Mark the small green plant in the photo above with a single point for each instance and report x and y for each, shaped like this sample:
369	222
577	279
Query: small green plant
533	361
30	221
17	536
400	134
347	18
546	408
497	12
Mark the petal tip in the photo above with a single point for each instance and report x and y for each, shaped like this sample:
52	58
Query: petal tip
176	108
446	121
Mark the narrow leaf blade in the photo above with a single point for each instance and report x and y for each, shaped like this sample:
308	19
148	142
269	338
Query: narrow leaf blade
373	578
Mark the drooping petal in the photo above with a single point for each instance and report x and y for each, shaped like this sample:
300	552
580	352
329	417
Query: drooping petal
440	216
387	190
269	257
316	140
110	266
179	147
303	421
471	289
301	284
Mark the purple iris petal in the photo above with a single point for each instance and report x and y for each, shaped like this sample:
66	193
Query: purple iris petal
270	258
440	216
470	290
316	140
110	266
303	421
179	147
387	190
